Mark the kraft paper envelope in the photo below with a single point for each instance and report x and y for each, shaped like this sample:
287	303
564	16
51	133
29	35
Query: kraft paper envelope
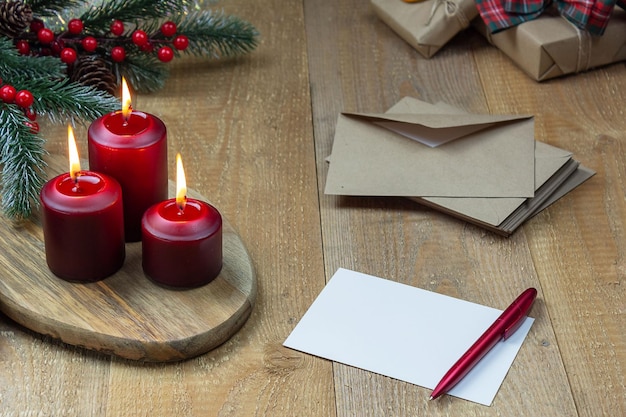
493	211
556	174
444	155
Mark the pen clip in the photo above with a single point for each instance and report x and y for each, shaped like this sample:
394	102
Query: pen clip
513	327
517	312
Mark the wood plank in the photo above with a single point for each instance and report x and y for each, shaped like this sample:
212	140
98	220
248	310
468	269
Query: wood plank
578	244
358	64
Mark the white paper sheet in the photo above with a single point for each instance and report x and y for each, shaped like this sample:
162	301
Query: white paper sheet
404	332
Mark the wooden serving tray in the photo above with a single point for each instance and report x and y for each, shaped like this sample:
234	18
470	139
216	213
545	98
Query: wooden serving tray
126	315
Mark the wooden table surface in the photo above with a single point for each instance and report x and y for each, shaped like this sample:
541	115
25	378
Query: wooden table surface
255	131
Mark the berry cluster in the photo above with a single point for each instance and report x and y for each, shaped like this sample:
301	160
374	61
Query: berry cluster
23	99
68	45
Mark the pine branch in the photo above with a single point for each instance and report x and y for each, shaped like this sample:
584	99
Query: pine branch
54	95
22	158
98	19
47	8
144	72
64	100
13	65
216	34
22	150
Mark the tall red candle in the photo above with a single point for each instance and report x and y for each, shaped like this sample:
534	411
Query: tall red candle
131	146
83	225
182	242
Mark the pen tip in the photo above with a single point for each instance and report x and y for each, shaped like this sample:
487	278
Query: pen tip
430	398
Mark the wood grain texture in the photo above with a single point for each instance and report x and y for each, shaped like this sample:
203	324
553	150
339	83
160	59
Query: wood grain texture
254	133
578	245
361	65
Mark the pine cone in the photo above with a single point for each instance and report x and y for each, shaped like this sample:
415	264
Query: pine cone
94	71
15	17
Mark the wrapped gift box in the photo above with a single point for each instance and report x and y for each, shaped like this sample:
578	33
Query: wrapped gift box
550	46
427	25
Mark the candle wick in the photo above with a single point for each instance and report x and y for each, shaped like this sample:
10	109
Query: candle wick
76	187
181	205
126	116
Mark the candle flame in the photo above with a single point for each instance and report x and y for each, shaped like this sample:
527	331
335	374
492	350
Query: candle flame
73	154
126	100
181	184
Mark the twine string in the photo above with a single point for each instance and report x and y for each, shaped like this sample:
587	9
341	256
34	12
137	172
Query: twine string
451	9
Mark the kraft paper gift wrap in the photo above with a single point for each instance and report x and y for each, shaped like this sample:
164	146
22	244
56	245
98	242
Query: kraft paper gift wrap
426	25
550	46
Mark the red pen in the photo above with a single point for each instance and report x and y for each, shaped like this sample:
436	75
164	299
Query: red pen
504	326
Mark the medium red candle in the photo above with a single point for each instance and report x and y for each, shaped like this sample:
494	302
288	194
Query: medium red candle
182	240
131	146
83	223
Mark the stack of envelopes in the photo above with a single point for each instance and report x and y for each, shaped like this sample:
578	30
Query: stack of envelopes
485	169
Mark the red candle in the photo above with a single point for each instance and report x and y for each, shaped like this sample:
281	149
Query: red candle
131	146
182	240
83	223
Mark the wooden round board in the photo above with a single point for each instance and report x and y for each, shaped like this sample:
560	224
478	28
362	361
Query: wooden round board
126	315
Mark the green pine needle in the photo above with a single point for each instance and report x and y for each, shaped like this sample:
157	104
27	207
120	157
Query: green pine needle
98	19
46	8
144	72
22	158
216	35
22	150
64	100
13	65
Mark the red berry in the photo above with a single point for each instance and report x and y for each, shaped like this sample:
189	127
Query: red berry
45	36
57	46
165	54
30	113
140	38
7	93
181	42
68	55
23	47
148	47
89	43
118	54
117	27
34	127
75	26
168	28
36	25
24	98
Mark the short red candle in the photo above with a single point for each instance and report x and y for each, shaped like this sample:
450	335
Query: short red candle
83	226
182	248
132	150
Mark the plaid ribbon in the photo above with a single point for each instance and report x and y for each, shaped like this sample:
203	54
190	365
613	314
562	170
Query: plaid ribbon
589	15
